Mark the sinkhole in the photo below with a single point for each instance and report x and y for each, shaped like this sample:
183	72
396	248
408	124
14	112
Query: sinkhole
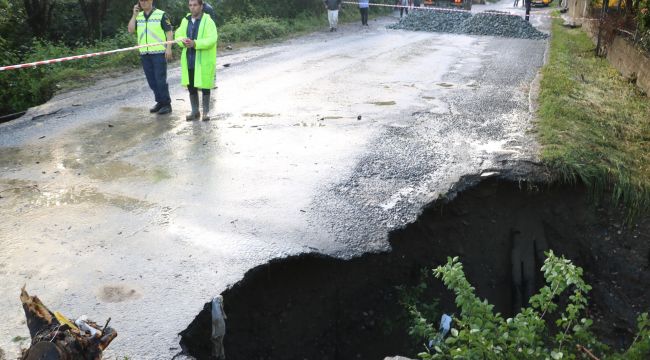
313	306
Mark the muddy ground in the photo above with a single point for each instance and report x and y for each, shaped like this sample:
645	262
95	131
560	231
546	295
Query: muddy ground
317	307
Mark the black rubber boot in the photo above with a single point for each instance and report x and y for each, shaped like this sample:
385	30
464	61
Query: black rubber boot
206	107
194	102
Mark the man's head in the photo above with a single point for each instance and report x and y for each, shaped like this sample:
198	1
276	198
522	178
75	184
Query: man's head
196	8
146	5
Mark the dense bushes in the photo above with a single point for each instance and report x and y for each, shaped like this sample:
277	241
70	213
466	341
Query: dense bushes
251	29
20	89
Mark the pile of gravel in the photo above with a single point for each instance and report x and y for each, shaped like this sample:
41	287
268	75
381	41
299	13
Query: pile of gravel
434	21
499	24
485	23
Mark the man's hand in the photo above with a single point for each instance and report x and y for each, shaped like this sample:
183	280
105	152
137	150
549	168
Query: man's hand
189	43
136	10
168	53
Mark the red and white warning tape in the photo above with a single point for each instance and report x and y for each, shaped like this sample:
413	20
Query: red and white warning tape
76	57
440	9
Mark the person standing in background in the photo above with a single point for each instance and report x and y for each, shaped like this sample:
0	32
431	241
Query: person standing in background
363	9
153	26
198	37
404	7
332	7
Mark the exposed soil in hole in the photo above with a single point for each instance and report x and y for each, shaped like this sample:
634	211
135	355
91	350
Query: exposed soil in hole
316	307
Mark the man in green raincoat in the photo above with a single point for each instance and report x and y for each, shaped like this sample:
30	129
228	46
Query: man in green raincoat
197	35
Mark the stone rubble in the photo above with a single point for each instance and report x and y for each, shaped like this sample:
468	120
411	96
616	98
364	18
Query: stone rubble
490	23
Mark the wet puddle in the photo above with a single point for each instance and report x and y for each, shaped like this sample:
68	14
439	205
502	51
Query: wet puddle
383	103
259	115
33	196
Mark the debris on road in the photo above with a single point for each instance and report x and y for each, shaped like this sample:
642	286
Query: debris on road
56	337
489	23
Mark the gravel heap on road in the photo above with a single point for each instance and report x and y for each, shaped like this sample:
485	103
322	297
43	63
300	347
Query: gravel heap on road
434	21
485	23
499	24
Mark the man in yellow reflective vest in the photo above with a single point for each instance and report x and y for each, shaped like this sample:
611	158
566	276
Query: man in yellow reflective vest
153	26
197	35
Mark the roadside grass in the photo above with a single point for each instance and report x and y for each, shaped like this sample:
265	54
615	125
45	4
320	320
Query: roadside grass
594	126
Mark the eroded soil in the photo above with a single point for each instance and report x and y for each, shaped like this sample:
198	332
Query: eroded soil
318	307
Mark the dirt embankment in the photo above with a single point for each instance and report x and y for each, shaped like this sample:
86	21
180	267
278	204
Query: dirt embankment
317	307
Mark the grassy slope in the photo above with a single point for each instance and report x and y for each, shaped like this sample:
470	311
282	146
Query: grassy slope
594	126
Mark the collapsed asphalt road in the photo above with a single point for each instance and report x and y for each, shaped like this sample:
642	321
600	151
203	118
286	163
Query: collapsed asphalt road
109	211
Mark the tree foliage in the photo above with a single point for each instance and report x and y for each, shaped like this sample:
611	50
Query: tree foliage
479	333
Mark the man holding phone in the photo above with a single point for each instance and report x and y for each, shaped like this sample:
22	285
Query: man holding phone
153	26
198	36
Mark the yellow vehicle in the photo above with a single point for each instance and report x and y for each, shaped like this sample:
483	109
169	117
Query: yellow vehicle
541	2
464	4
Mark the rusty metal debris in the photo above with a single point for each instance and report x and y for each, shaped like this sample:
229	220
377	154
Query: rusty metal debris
55	337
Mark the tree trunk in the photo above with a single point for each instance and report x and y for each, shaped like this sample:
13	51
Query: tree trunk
94	11
39	15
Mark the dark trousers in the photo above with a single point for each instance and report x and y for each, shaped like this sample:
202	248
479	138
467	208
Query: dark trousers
155	69
364	16
402	10
190	86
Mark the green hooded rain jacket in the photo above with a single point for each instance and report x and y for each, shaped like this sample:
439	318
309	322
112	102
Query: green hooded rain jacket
206	53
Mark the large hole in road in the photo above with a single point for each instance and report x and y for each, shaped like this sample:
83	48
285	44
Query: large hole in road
317	307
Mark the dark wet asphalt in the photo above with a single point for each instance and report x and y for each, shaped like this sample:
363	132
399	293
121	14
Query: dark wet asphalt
109	211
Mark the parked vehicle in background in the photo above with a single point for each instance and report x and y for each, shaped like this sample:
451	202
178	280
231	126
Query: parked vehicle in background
461	4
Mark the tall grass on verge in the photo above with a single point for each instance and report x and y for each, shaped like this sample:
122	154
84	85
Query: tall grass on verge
594	126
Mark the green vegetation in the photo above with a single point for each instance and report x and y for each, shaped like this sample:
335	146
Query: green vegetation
23	88
543	329
593	124
419	302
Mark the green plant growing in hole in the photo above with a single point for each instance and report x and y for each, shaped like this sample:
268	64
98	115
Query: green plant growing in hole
480	333
419	305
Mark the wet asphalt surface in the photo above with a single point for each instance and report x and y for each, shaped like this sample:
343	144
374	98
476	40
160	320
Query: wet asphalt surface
110	211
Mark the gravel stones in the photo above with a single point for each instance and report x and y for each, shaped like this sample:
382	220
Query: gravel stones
434	21
455	22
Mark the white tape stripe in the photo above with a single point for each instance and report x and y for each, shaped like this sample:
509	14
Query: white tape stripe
84	56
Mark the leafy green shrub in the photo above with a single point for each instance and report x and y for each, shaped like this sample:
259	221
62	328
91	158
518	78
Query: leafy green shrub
420	305
251	30
23	88
19	89
479	333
